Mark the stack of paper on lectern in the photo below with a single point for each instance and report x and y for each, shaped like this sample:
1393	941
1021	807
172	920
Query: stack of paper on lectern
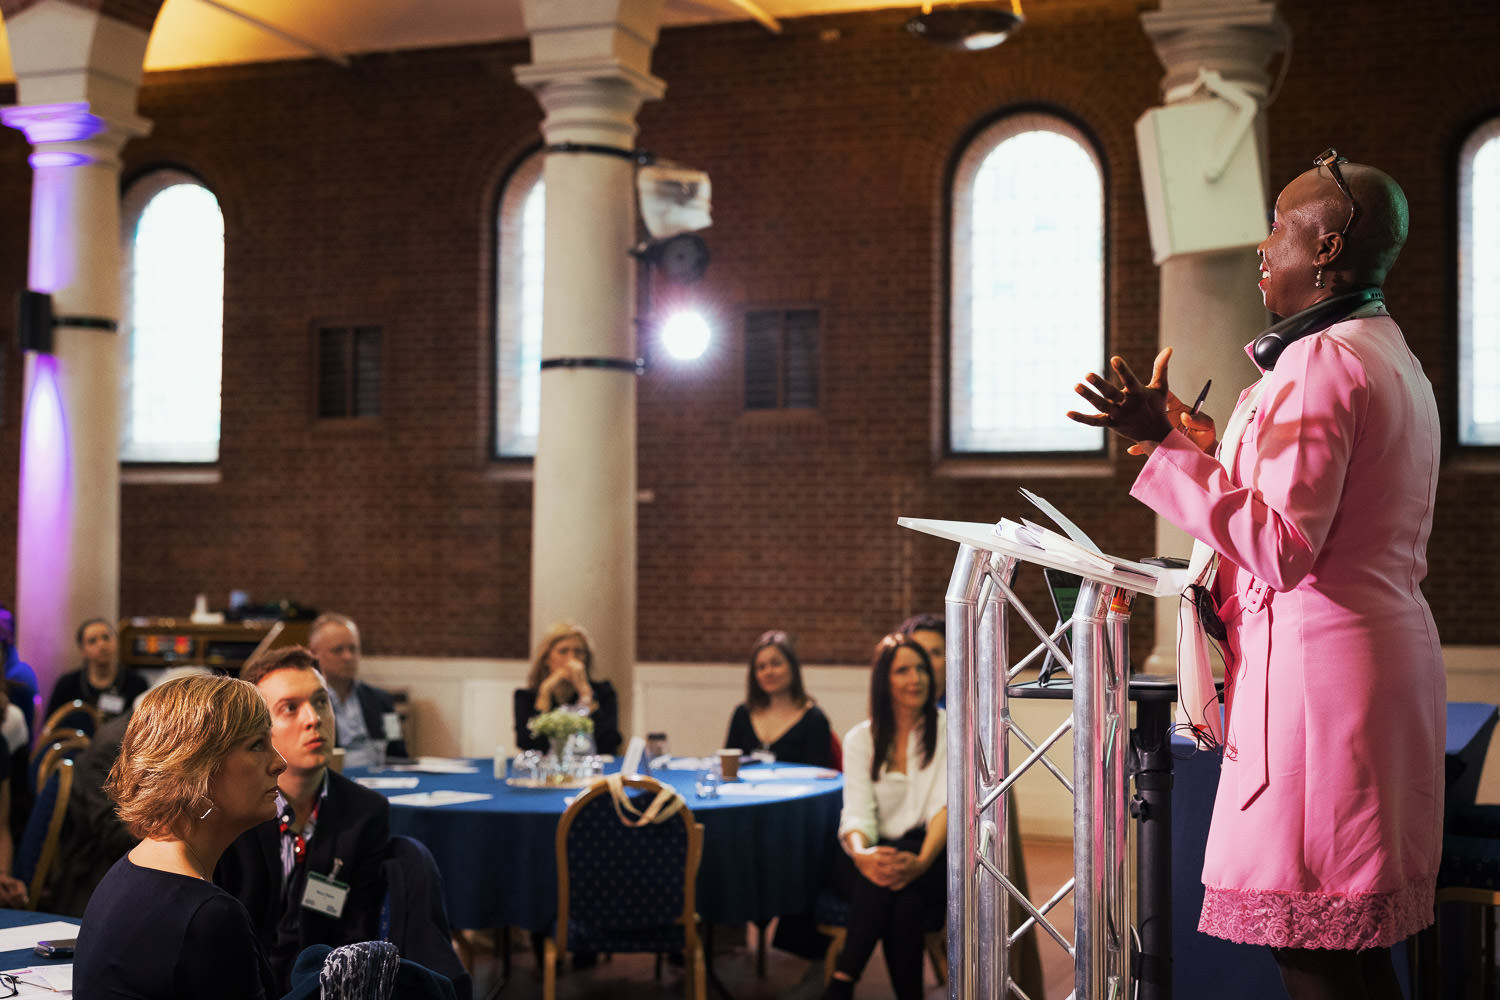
1028	535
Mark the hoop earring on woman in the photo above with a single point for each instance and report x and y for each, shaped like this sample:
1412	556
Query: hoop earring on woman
210	809
1319	283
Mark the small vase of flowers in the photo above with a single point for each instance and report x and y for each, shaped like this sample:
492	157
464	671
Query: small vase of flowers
559	726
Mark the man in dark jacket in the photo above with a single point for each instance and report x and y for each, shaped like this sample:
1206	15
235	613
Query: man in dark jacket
313	874
366	714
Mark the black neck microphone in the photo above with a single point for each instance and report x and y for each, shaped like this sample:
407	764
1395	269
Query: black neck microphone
1316	317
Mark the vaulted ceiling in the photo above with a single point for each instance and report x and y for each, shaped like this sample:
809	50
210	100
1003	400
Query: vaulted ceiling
191	33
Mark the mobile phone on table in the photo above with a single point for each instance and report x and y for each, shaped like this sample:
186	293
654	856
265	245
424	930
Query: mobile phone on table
58	948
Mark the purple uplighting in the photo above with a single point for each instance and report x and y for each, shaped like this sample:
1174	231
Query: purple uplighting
46	483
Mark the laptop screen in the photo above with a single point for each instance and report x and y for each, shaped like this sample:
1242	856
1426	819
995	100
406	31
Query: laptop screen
1063	588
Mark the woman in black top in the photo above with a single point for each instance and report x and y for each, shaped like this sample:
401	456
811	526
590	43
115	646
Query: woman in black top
562	674
101	681
196	769
777	714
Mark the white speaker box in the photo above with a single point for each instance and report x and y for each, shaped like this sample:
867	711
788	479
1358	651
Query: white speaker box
1201	172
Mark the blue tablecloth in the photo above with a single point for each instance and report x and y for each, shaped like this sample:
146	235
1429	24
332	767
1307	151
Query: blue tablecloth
762	855
1200	959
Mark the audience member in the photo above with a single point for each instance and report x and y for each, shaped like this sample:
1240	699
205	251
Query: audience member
931	632
12	890
196	770
365	713
563	674
19	677
778	714
310	873
102	681
894	826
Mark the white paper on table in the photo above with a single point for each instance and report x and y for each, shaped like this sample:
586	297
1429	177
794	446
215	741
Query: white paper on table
379	783
44	980
802	772
437	765
751	789
440	797
23	938
688	763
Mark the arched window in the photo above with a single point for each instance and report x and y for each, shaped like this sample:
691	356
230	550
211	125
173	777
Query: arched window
520	238
1028	287
173	319
1479	287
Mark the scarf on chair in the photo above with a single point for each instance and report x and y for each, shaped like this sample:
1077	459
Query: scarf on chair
666	804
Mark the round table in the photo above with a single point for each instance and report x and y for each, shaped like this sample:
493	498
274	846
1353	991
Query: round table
766	843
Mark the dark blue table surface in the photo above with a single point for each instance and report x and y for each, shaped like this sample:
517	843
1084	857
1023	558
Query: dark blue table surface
763	855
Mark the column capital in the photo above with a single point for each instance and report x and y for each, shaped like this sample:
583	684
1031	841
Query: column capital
72	133
590	102
1235	37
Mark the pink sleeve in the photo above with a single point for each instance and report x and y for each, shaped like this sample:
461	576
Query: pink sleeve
1273	515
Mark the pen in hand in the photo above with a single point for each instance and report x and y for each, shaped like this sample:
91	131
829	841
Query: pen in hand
1201	397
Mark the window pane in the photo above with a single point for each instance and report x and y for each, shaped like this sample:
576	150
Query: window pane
1028	287
521	239
1479	288
174	322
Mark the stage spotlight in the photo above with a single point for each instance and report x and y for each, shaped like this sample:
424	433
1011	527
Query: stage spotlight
685	335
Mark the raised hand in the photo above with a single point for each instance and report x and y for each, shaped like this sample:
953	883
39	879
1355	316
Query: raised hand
1134	411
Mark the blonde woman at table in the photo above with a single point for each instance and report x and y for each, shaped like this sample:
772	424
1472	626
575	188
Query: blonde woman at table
196	769
562	674
778	714
894	826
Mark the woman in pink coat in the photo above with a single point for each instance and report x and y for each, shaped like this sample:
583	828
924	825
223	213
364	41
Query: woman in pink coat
1326	832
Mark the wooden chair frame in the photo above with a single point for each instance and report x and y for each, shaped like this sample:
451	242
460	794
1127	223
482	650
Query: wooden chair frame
53	836
57	751
557	945
63	711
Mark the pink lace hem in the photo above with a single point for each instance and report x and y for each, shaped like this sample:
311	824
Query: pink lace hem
1318	920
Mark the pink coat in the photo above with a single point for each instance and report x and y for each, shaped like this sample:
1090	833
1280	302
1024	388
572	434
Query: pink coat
1327	826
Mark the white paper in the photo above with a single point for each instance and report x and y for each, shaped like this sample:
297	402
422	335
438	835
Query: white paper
787	773
437	765
380	784
635	752
688	763
756	789
438	798
24	938
44	980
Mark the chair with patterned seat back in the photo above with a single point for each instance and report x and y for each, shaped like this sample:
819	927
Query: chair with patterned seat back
37	851
627	870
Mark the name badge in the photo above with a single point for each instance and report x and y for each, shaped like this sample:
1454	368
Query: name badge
111	703
392	724
324	895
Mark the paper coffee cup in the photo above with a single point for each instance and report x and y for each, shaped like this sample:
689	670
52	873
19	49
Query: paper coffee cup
729	764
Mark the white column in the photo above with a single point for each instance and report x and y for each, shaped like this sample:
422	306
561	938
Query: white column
1210	303
77	77
590	72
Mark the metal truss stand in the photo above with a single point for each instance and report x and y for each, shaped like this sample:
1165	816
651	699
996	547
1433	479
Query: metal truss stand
981	772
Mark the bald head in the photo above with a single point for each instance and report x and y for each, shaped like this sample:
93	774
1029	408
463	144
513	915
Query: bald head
1374	239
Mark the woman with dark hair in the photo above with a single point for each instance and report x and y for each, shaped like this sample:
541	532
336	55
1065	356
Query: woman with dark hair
196	769
894	827
102	681
562	675
777	714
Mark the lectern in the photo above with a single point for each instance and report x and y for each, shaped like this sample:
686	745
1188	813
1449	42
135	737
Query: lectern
980	603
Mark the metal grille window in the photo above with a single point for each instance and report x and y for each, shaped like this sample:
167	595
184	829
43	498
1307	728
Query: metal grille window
781	359
349	372
173	245
1479	287
1028	287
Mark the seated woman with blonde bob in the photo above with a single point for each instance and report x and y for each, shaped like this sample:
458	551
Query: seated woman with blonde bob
777	714
894	826
562	675
196	769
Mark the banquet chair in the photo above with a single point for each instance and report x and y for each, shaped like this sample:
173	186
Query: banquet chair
75	715
37	851
627	888
833	920
413	916
1469	874
47	756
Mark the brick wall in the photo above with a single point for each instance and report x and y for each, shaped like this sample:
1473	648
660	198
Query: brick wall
366	195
